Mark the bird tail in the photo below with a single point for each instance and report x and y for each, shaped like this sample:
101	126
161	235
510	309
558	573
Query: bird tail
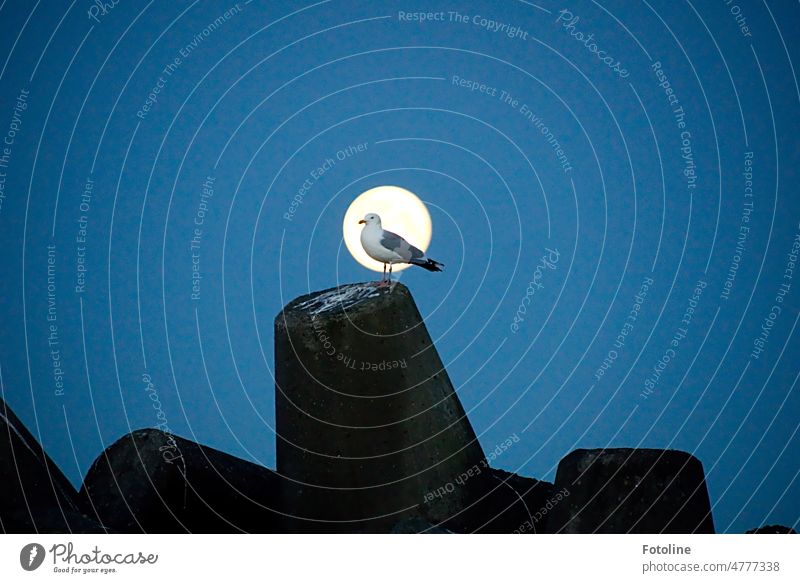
428	264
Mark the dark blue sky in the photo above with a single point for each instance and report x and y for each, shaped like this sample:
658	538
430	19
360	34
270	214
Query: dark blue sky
647	151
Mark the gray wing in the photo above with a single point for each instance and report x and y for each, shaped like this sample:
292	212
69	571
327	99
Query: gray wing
394	242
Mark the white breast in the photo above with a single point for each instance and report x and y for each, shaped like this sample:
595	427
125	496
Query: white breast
371	242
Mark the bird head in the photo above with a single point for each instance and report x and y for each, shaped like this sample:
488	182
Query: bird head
370	219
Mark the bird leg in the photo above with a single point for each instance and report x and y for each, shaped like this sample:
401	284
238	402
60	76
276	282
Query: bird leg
387	281
383	281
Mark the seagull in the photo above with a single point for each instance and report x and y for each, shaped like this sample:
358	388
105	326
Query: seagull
388	247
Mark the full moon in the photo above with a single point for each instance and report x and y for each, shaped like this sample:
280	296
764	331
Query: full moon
401	212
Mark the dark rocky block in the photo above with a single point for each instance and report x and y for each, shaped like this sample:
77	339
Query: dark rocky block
631	491
151	481
368	422
35	496
505	503
416	525
528	513
772	529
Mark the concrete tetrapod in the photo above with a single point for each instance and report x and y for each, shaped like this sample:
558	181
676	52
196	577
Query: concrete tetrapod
34	495
154	482
369	429
644	491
